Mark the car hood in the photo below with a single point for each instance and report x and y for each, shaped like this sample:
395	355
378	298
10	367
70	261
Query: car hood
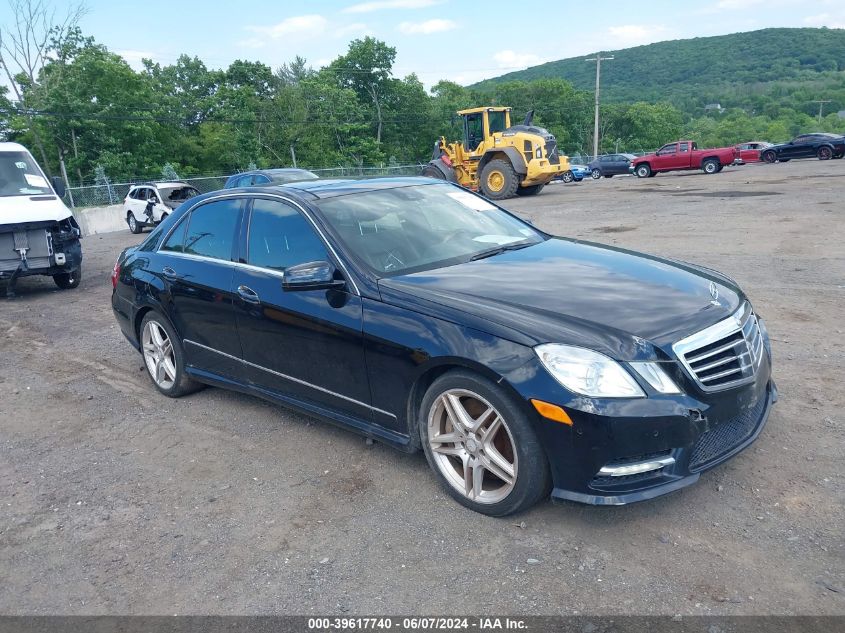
26	209
565	291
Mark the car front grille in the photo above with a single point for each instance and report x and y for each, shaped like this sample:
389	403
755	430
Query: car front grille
726	436
726	354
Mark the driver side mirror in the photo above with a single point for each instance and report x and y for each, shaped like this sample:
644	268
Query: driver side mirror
59	186
311	276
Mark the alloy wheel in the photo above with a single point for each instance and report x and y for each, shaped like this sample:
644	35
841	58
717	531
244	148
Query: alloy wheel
495	181
159	355
472	446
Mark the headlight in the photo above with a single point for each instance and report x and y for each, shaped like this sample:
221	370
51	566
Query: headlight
587	372
654	375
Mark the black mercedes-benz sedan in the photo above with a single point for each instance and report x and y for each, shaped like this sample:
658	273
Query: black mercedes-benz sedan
421	315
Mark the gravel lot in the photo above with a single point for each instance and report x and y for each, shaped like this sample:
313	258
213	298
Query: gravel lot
116	500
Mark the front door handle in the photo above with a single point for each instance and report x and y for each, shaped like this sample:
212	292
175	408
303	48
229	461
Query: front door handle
248	294
169	273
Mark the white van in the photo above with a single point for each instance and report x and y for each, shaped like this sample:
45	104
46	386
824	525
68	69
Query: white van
38	233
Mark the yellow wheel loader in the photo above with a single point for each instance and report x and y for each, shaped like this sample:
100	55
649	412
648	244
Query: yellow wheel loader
497	158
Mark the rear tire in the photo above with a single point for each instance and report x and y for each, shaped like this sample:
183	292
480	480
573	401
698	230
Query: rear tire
643	170
134	226
499	180
429	171
164	357
710	166
465	407
531	190
768	157
824	153
69	280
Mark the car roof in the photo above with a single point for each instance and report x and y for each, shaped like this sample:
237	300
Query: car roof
12	147
320	189
161	184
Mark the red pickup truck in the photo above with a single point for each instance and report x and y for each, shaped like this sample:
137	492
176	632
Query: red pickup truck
683	155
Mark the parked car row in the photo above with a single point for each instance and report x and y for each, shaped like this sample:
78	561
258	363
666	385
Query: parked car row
149	204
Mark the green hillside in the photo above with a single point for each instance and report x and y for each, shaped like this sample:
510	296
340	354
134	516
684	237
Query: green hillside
795	66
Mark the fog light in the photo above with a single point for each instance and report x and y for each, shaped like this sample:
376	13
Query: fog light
60	259
637	468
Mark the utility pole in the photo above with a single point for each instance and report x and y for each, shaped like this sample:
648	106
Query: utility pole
821	105
598	59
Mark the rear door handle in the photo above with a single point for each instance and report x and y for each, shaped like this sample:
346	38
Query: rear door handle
169	273
248	294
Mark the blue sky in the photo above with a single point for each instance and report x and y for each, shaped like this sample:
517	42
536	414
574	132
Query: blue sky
461	40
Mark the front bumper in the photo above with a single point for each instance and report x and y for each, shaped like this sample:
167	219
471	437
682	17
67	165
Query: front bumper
685	434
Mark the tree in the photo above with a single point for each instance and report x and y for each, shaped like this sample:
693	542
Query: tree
366	68
26	46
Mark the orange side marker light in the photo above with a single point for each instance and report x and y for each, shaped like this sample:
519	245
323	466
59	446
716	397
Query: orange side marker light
551	411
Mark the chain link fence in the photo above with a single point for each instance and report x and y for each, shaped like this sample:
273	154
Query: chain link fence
114	193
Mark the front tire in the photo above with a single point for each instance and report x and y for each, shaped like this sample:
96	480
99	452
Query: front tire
824	153
769	156
499	180
481	446
134	226
164	357
596	174
69	280
531	190
643	170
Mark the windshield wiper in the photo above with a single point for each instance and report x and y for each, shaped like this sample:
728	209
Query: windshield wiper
513	246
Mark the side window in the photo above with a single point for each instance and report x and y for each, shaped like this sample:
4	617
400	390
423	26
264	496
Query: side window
211	229
245	181
176	239
279	237
666	150
260	179
133	193
141	193
684	147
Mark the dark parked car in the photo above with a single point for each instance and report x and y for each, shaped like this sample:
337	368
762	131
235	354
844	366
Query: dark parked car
419	314
269	177
610	165
819	145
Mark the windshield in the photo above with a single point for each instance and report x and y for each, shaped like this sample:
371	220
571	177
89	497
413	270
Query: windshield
292	175
421	227
179	193
21	176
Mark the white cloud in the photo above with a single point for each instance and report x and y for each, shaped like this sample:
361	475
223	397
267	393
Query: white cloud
831	21
512	59
349	30
300	26
378	5
635	34
737	4
428	27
